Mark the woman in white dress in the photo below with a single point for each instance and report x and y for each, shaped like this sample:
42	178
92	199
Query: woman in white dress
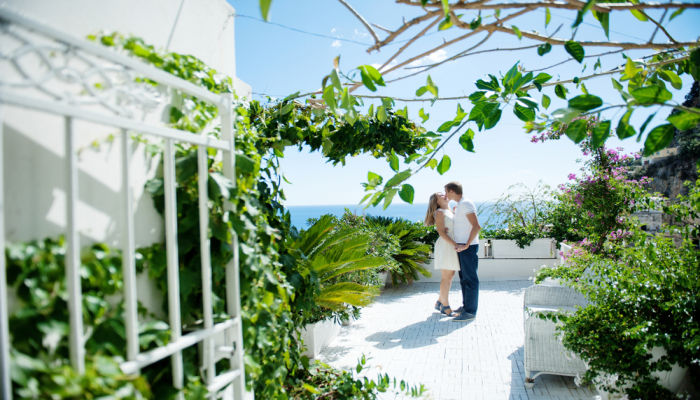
446	259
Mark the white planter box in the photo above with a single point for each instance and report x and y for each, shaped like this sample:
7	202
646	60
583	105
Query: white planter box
384	278
539	248
318	336
671	380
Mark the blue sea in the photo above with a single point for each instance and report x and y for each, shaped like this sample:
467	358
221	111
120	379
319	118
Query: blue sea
411	212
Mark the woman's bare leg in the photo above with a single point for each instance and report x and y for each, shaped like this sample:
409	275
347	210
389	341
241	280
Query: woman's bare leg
445	284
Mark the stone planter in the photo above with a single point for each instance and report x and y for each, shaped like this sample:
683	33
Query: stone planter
384	278
318	336
671	380
539	248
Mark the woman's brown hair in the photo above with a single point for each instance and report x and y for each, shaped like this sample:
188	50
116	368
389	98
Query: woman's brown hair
432	207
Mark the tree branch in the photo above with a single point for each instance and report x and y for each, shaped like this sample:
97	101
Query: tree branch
622	45
460	55
603	7
439	147
403	28
571	59
658	26
362	19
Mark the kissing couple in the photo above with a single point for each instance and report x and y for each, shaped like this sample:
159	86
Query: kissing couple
456	249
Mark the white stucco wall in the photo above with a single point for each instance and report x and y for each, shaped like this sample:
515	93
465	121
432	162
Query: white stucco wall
34	143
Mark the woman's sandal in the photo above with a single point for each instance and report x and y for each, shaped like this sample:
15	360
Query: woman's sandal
444	308
438	306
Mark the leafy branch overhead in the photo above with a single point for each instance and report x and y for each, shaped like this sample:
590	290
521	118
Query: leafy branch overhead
642	83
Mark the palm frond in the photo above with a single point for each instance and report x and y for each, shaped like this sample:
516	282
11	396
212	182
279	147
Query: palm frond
338	295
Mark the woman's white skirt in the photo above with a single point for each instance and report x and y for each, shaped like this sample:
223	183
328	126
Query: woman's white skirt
445	256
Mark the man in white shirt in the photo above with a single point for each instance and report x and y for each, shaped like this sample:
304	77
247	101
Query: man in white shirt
466	234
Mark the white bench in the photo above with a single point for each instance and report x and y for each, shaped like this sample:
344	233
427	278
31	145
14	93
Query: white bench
544	352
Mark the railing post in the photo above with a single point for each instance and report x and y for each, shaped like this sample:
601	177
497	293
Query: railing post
128	255
173	261
5	384
233	291
205	259
72	258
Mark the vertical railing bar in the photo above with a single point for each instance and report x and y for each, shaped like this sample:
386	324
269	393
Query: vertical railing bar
173	261
128	254
205	259
5	384
233	291
75	309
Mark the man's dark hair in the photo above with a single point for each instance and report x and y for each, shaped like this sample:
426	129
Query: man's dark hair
455	187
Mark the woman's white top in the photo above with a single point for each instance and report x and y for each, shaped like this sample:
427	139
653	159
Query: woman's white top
445	253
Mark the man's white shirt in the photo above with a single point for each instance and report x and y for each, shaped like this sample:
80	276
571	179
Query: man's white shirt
462	226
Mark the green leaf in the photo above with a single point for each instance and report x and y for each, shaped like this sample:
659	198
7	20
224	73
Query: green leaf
524	113
381	114
624	130
600	133
446	7
406	193
527	102
467	140
651	94
445	24
475	23
517	32
566	115
617	85
421	91
423	115
542	77
265	8
560	91
684	120
329	97
398	178
604	19
547	17
597	65
670	76
546	101
585	102
676	13
444	165
658	138
394	161
544	49
582	13
310	388
492	86
576	131
575	50
286	109
493	118
445	127
639	15
630	69
335	80
584	89
432	163
389	197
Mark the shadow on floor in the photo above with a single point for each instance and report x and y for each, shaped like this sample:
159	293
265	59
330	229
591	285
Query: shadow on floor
414	336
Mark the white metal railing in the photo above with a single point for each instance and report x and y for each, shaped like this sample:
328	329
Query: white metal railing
117	104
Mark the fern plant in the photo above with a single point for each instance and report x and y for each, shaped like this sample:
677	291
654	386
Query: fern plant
328	253
412	254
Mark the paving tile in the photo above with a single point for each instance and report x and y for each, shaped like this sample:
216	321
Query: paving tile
482	359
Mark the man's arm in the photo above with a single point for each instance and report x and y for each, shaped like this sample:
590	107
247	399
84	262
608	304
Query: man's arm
475	231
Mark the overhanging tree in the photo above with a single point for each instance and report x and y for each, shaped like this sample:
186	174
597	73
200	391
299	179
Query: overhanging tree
641	83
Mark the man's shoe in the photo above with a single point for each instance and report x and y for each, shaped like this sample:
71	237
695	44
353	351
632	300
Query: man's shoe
459	310
463	317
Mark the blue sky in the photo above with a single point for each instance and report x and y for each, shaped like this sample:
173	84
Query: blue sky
278	61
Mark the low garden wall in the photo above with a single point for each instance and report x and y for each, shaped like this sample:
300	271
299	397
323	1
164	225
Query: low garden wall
503	260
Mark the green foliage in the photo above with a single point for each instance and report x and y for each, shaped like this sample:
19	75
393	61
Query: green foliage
521	214
412	253
40	326
273	290
322	381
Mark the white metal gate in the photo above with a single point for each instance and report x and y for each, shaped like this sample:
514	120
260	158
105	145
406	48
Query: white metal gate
116	105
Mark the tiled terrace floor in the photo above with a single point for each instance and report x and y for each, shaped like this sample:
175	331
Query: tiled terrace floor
483	359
